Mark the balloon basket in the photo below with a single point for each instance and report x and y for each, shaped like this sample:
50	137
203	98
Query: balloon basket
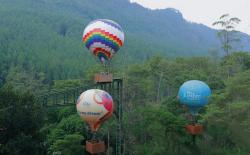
95	147
103	78
196	129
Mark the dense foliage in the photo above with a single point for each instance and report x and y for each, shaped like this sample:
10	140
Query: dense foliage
41	52
154	121
41	40
20	121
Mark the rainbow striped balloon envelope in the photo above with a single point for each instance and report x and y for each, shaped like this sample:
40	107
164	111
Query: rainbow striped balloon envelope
103	38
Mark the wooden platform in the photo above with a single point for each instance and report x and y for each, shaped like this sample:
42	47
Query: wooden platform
103	78
95	147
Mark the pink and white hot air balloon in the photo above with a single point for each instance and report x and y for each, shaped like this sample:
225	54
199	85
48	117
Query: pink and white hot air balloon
94	107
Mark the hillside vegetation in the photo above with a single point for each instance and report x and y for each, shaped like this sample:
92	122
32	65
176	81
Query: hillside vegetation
41	52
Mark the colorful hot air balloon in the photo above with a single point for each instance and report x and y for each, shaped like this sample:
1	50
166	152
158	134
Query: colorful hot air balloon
194	94
103	38
94	106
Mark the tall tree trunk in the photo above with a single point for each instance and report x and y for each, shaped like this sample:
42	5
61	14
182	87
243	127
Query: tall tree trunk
158	90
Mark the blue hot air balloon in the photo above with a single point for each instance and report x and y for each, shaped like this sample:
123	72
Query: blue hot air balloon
194	94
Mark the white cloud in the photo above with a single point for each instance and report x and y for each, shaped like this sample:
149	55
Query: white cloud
205	11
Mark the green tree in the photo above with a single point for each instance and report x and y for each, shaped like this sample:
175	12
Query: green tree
69	145
238	87
235	63
227	33
21	118
155	130
68	132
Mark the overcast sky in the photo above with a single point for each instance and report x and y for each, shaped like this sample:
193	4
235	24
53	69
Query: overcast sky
205	11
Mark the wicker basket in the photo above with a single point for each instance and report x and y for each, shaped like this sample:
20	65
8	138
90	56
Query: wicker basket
196	129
